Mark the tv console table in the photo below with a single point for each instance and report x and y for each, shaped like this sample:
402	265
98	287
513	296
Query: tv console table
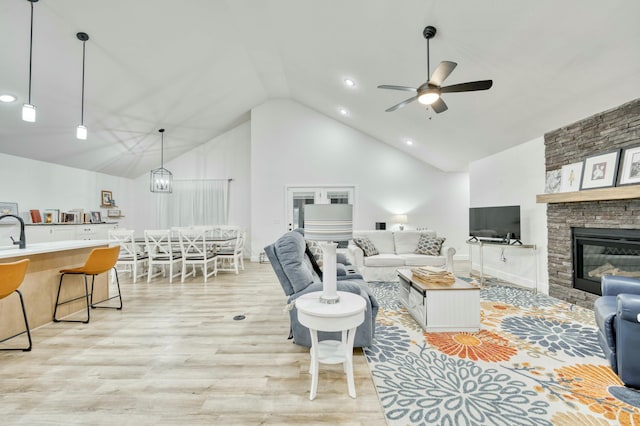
482	243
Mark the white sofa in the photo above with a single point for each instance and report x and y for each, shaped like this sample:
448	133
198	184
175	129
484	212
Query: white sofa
396	250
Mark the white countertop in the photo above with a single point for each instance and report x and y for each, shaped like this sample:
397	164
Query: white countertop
53	246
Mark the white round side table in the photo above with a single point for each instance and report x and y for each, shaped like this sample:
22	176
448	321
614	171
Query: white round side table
344	316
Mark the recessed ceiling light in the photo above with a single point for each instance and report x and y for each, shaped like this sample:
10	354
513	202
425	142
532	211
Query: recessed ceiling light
409	142
349	82
343	111
5	97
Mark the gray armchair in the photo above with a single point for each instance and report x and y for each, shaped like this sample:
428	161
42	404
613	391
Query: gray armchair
617	313
291	262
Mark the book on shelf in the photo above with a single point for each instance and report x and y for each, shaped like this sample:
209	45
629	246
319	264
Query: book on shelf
36	217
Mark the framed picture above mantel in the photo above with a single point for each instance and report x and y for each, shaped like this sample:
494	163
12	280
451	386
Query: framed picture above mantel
600	171
629	173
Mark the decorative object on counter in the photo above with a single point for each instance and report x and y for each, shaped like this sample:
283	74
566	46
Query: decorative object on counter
96	217
571	175
629	173
328	222
433	275
161	178
600	171
28	109
36	217
8	208
68	217
54	214
381	225
114	213
106	197
81	130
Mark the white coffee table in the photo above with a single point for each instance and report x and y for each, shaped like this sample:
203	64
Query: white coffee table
440	307
345	317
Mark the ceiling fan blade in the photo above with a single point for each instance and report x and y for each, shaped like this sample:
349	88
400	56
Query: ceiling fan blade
471	86
405	88
401	104
441	72
439	106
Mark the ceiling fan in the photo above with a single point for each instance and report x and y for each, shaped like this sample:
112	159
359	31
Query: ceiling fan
429	92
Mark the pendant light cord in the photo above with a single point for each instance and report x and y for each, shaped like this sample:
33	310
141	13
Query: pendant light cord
82	105
30	51
161	148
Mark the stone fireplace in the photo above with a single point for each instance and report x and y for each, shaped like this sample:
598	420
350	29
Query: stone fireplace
618	128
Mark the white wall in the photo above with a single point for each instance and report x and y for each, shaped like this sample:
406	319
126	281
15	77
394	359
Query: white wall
514	177
39	185
224	157
294	145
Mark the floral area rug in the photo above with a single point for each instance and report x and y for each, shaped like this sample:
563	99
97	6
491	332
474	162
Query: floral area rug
535	361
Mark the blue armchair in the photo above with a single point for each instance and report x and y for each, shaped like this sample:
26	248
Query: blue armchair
292	264
616	315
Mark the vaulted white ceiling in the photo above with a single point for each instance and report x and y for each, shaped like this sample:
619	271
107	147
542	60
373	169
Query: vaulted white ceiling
198	67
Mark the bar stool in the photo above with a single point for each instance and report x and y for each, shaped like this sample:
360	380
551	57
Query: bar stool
11	276
100	260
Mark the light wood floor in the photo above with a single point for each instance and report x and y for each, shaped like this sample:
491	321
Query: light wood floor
175	356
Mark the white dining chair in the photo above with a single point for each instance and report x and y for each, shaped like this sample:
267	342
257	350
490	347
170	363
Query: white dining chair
196	251
131	258
163	253
231	258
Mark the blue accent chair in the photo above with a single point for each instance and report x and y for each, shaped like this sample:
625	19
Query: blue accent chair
616	315
291	262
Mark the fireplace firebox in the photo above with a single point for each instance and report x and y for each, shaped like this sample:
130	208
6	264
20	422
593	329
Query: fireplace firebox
600	251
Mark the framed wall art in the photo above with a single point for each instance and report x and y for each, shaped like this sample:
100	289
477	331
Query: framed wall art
552	183
8	208
600	171
571	175
106	197
96	217
629	173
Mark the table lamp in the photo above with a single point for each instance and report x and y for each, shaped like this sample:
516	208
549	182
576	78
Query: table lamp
328	222
401	219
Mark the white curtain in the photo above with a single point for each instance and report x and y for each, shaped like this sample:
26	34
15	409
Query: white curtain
193	202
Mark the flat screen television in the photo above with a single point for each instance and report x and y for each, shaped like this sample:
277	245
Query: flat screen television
495	223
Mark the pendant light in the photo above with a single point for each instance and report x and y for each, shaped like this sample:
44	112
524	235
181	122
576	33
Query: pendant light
29	110
161	178
81	131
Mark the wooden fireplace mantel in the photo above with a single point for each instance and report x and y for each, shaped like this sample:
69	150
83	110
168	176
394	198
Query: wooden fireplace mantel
600	194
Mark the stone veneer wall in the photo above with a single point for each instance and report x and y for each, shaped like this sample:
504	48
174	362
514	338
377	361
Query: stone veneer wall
604	132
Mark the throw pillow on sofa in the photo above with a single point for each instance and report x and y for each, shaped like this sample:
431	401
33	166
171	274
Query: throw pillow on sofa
316	251
429	245
366	245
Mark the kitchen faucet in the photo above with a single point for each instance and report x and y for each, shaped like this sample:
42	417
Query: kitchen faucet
22	243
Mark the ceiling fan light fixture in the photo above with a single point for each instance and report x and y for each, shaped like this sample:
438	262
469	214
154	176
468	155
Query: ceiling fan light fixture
428	98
